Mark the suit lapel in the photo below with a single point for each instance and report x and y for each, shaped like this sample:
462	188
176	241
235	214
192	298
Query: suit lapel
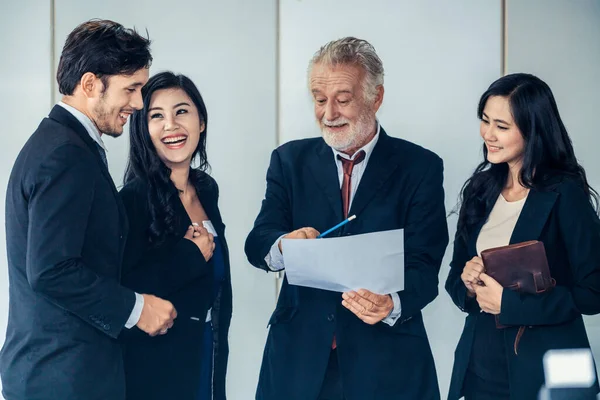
321	164
207	195
65	118
475	235
382	164
533	216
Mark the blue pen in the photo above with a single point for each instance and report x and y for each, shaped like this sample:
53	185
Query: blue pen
344	222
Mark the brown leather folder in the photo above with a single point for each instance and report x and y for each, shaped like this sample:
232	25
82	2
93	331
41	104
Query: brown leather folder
522	267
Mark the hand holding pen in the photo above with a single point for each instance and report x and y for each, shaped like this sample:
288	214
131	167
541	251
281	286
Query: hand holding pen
312	233
302	233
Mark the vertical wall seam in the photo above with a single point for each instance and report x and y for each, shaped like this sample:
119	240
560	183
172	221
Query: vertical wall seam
504	38
52	52
278	275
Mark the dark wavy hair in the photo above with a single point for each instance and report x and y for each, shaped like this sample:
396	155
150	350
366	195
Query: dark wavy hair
548	152
103	48
145	165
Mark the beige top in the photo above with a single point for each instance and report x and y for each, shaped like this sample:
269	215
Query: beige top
500	224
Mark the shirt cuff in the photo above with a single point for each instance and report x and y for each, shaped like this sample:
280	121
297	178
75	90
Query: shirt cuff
274	258
136	313
396	311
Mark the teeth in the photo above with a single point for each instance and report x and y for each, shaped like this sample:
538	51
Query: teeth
174	139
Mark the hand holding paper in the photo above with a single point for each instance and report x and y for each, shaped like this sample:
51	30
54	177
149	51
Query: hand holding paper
368	306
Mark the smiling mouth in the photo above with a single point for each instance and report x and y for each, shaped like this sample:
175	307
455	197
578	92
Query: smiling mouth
175	141
335	127
123	117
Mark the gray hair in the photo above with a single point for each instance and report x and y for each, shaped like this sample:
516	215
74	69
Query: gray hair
353	51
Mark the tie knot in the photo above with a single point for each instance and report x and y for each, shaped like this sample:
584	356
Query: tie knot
348	165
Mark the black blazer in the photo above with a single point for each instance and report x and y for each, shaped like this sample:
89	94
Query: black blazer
401	188
168	366
65	230
563	219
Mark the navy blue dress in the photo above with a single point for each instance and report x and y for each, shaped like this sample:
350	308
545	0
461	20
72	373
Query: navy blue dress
218	263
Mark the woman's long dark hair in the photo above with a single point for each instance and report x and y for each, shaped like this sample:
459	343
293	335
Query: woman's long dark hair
144	163
548	149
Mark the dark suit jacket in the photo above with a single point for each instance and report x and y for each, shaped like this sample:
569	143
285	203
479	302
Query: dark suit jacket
563	219
168	366
401	188
65	230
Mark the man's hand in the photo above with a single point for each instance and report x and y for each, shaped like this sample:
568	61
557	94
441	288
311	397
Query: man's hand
368	306
157	315
489	296
302	233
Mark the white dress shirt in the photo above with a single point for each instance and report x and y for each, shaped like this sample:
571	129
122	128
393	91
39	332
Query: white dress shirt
92	130
274	258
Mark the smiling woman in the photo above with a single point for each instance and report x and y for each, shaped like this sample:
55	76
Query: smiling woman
529	186
174	126
176	247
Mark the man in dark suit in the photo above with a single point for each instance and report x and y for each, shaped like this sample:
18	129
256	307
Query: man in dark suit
356	345
65	230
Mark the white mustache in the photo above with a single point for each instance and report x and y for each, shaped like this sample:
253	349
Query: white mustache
337	122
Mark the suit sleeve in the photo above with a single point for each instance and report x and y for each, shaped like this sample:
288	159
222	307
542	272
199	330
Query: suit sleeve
273	219
454	284
579	229
425	241
161	270
60	201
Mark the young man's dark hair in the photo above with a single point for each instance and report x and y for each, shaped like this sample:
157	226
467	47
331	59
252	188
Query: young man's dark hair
103	48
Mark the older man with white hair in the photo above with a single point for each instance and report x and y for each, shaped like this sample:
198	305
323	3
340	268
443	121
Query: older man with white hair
356	345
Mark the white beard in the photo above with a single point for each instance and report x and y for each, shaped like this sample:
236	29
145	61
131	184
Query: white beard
355	134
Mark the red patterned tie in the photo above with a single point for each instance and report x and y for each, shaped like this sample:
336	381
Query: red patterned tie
347	166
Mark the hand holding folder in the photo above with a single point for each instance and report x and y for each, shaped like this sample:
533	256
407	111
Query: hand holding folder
522	267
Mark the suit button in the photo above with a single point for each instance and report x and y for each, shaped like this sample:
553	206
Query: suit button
106	327
330	317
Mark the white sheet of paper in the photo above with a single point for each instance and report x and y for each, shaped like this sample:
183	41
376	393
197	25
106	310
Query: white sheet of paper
372	261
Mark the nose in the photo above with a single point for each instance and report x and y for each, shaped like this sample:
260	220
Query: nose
137	102
331	111
487	132
170	123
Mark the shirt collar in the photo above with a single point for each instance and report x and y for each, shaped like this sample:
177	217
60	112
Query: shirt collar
367	148
87	123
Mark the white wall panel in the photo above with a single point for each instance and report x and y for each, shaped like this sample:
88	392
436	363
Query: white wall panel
25	98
